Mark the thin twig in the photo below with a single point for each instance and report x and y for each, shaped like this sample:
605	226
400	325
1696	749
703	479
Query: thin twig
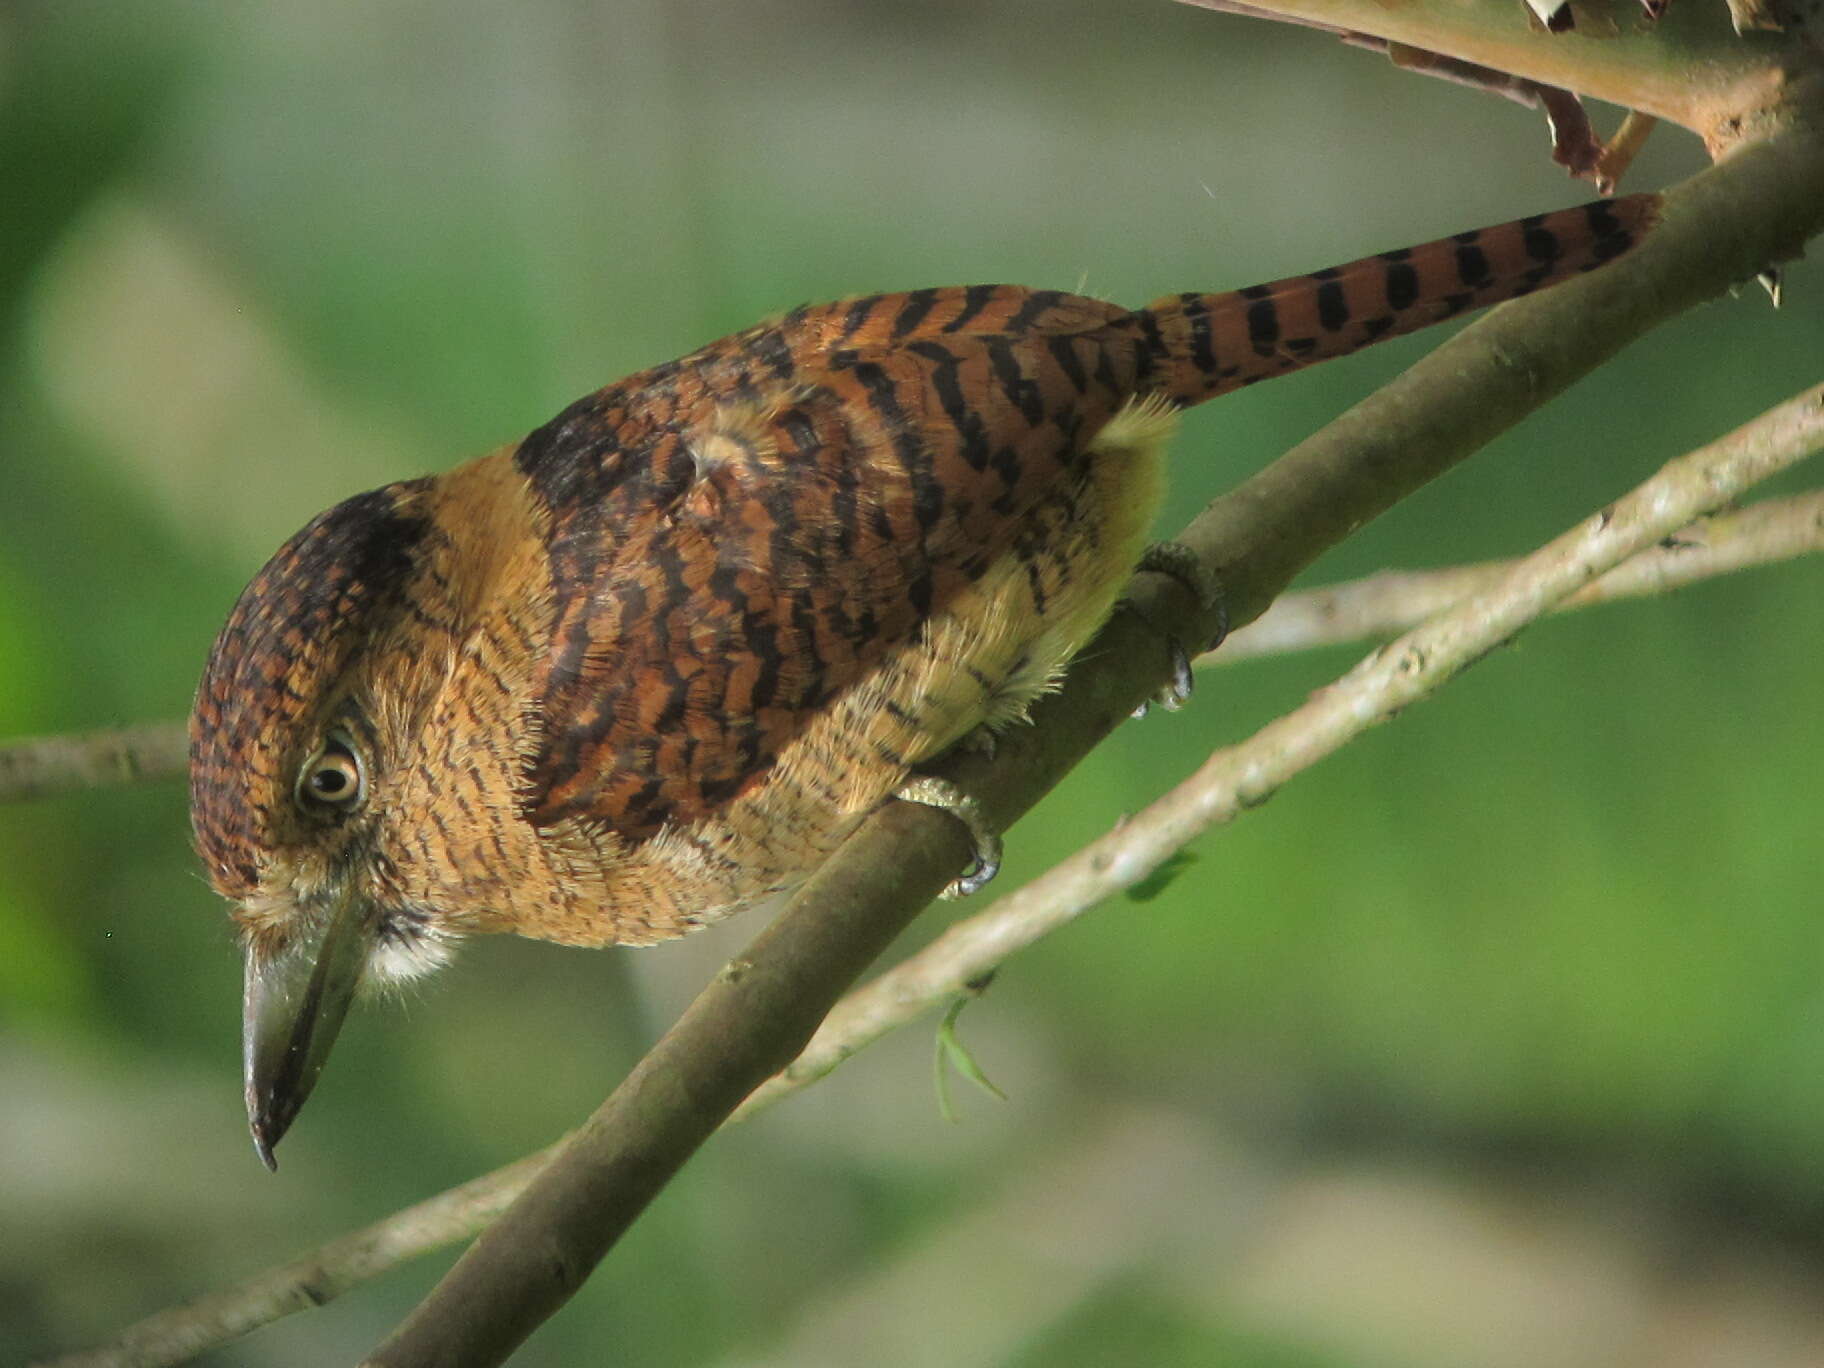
1394	600
37	767
179	1333
1621	149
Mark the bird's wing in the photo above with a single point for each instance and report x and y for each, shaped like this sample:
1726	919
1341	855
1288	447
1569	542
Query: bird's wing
738	537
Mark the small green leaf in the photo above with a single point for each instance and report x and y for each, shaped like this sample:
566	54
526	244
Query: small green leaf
952	1051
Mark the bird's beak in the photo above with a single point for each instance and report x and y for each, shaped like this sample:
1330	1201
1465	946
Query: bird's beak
294	1006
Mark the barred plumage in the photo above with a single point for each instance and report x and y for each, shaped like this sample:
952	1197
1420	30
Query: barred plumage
650	664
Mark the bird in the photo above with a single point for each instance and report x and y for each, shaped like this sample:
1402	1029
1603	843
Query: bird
650	664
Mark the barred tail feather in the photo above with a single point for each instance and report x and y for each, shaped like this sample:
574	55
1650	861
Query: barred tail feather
1203	345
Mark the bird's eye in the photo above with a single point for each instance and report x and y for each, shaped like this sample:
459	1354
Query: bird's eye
333	777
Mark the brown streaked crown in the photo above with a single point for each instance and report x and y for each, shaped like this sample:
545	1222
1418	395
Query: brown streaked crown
289	633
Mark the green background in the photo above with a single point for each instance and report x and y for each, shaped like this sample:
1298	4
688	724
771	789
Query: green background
1551	936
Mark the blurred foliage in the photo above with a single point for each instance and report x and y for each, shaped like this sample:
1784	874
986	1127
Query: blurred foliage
256	257
1131	1324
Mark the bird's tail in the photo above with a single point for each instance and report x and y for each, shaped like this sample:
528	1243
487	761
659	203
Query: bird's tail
1207	344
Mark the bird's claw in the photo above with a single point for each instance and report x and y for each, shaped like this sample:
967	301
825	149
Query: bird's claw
941	793
1177	690
982	741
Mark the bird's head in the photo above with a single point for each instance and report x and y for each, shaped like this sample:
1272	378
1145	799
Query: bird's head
333	703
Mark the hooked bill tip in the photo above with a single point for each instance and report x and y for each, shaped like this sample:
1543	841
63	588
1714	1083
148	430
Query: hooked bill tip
267	1123
263	1147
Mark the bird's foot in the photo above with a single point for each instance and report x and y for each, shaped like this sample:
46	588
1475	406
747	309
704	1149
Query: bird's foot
941	793
1181	563
1178	561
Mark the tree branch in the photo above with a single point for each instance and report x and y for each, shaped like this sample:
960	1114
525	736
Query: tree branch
37	767
1690	65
